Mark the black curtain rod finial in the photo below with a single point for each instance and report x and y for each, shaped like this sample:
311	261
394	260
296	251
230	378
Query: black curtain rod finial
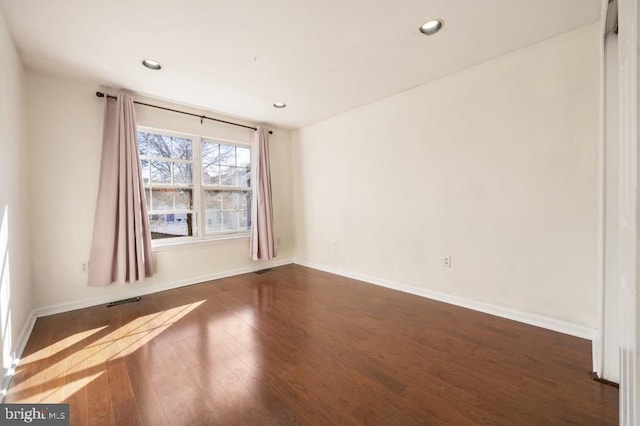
102	95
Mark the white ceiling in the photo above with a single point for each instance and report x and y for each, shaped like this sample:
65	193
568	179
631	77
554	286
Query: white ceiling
238	57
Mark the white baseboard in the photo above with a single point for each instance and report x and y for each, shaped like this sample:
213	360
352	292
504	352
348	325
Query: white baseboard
135	292
21	343
508	313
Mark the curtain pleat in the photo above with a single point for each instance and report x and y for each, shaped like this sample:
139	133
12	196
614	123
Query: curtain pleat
262	242
121	245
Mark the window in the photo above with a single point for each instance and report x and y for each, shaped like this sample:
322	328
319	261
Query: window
226	180
195	188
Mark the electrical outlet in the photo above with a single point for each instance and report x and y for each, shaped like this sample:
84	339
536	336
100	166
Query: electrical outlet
446	261
84	267
278	241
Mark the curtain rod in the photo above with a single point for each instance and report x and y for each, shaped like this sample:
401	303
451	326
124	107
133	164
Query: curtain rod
201	117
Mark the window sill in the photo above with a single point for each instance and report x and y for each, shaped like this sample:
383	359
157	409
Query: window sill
221	239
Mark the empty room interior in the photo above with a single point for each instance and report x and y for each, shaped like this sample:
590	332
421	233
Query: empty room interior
337	212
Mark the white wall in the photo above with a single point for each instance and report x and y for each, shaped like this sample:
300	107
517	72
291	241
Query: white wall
65	135
495	165
16	299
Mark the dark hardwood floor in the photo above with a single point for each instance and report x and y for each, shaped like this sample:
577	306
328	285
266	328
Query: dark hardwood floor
299	346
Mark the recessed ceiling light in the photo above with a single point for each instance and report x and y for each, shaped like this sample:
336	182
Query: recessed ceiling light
431	27
151	64
279	105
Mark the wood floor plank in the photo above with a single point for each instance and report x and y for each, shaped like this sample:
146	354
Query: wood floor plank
149	405
75	380
300	346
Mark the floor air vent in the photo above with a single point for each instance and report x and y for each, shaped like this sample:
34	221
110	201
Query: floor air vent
123	301
262	271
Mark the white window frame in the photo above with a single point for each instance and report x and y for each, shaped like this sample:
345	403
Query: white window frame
198	188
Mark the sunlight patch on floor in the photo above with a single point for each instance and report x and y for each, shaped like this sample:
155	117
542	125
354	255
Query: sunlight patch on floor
74	367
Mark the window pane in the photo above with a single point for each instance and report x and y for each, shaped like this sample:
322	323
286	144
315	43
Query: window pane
144	169
228	155
161	172
213	220
244	199
147	198
210	152
212	200
244	220
182	173
182	148
229	221
159	145
211	175
142	143
243	177
184	199
229	200
226	175
171	225
162	199
243	156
